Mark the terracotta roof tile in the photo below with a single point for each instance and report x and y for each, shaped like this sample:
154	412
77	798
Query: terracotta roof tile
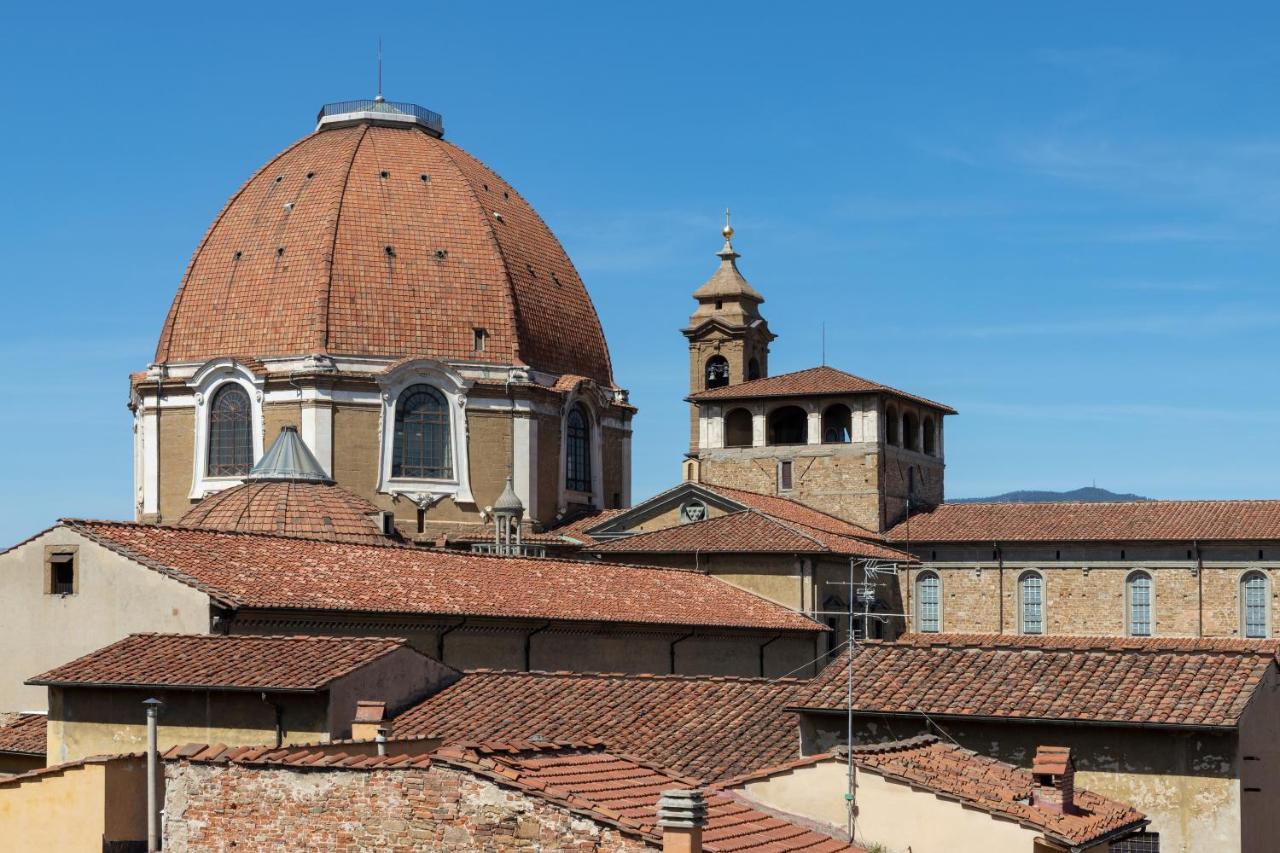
307	510
1082	521
790	510
1127	681
748	531
24	733
615	789
813	382
250	570
239	662
999	788
287	267
708	727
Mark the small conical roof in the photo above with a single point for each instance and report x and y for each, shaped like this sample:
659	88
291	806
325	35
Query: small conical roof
289	458
508	502
727	282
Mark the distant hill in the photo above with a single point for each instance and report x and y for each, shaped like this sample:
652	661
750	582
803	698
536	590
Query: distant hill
1089	494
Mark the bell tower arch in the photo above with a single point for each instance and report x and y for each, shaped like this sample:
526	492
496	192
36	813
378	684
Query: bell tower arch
728	337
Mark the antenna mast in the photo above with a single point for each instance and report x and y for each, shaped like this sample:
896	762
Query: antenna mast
379	98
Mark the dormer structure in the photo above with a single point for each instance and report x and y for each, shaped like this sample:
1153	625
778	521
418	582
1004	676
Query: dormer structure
728	337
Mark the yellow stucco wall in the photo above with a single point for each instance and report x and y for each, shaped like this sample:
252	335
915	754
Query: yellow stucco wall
115	597
892	815
77	808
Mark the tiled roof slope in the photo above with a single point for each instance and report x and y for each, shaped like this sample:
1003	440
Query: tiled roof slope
24	733
986	783
575	530
815	381
789	510
247	570
708	727
997	787
308	510
382	241
613	789
747	531
1127	681
1183	521
239	662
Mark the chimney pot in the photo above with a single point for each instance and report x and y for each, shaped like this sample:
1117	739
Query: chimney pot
681	815
1053	774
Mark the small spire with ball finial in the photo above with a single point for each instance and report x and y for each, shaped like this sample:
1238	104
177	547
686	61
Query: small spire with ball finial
727	253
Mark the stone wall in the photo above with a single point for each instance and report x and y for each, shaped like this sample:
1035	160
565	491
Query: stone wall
1084	589
215	807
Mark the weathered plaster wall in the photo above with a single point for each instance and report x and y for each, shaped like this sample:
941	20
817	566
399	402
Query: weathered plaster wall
88	807
114	598
211	808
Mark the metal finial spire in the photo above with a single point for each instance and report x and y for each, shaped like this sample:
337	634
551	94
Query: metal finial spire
379	97
727	231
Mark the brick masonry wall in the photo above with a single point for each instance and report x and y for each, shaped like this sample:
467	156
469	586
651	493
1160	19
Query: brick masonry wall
1092	601
221	807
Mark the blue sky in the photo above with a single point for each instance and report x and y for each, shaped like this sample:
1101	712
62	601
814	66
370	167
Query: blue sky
1061	220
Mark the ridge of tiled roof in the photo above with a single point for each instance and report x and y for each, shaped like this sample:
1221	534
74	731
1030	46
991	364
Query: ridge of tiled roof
232	662
706	726
242	569
23	733
1107	521
813	381
748	530
1165	682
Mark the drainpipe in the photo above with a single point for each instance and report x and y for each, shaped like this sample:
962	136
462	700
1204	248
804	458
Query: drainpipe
764	646
153	781
674	643
446	632
1195	546
279	714
528	645
1000	576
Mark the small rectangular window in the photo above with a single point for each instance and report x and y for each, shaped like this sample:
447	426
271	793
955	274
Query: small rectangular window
481	338
784	475
62	574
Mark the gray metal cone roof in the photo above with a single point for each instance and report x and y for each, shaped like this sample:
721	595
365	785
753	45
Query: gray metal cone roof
289	458
508	501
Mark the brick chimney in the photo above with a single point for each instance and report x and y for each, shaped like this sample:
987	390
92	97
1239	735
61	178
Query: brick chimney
1053	772
370	716
681	817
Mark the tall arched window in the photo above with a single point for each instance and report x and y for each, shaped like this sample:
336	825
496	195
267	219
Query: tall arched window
1255	595
837	424
423	448
753	369
738	429
1031	603
928	603
717	372
1138	595
230	433
892	427
577	448
910	431
788	425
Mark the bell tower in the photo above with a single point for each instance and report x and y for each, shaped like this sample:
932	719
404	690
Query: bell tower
728	338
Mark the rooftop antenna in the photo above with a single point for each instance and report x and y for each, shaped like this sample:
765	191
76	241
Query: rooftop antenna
824	343
379	99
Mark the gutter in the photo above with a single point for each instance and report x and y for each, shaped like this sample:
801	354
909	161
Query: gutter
983	718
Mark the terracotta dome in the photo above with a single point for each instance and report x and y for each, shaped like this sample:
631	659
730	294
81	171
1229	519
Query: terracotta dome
384	240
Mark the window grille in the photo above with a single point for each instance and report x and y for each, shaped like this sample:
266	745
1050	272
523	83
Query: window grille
928	606
1139	585
230	433
1254	595
422	445
1139	842
784	475
1031	592
578	450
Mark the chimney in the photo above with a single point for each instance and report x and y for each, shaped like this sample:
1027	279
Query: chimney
681	816
1053	772
370	719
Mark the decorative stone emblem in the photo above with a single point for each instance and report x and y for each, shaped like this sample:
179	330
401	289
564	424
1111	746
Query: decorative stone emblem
692	510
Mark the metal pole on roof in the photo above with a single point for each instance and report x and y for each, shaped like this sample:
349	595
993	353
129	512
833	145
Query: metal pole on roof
848	704
153	780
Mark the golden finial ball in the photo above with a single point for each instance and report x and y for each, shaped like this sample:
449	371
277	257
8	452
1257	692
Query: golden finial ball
727	231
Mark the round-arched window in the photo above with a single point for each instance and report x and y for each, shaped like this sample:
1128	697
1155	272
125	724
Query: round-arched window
577	445
717	372
422	447
788	425
230	432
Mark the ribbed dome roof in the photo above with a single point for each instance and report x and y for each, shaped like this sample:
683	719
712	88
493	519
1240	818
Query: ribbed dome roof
383	241
305	510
